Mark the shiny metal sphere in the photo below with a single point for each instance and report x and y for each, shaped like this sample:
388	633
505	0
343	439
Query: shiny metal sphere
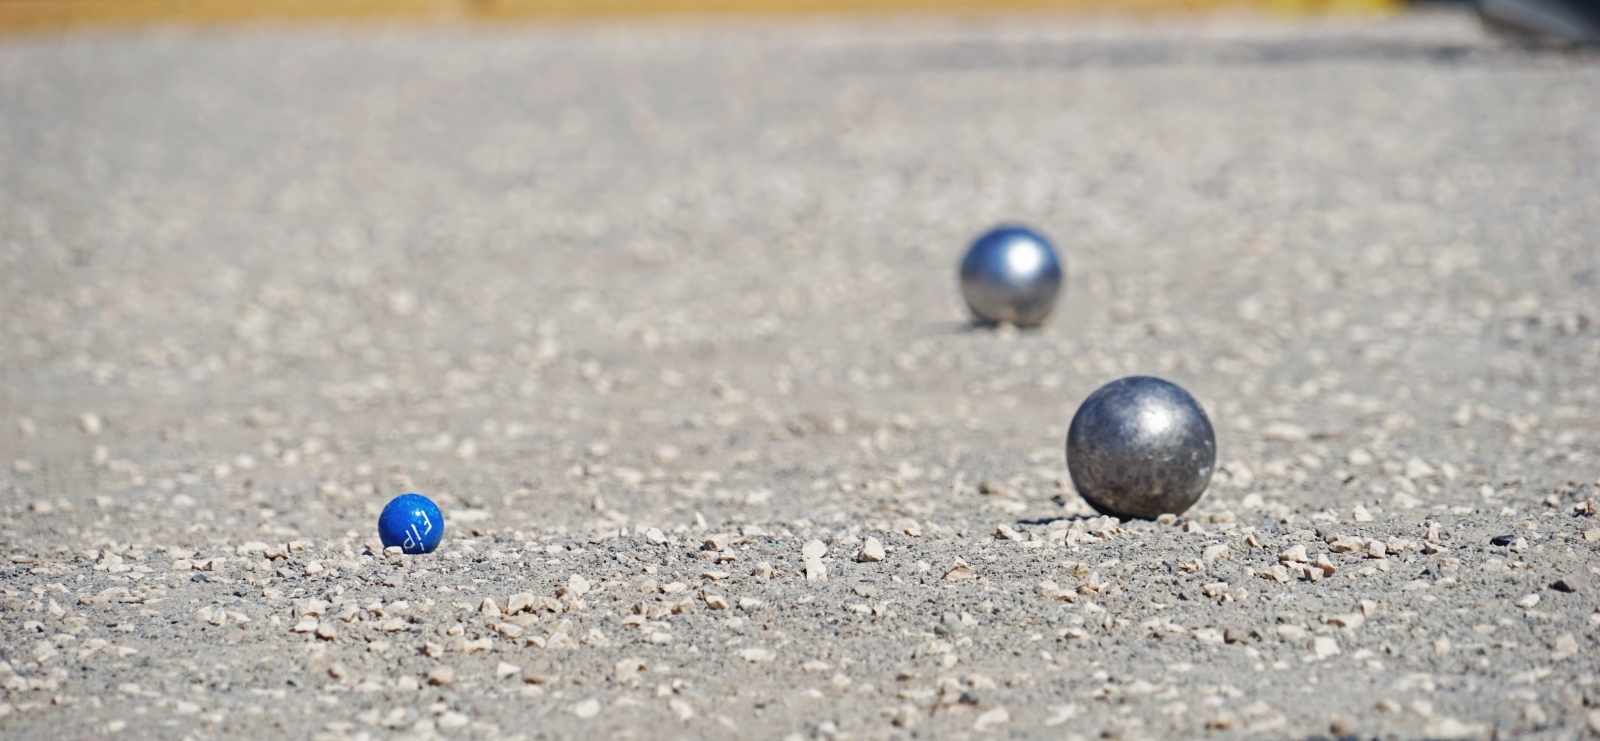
1141	447
1011	275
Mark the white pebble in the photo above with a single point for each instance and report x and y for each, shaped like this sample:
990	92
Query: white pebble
1351	621
959	571
1564	647
1061	713
577	586
872	551
1276	573
518	602
1325	646
628	670
1285	432
994	717
758	655
681	708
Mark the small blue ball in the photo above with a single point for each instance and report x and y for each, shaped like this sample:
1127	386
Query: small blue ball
413	522
1013	275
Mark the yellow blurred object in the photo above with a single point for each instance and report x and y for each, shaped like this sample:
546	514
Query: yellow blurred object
1333	7
37	15
520	8
17	15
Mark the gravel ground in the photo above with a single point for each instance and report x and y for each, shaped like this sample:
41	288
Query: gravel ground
649	309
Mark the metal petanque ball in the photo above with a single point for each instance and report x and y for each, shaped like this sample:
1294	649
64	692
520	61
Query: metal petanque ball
1141	447
413	522
1011	275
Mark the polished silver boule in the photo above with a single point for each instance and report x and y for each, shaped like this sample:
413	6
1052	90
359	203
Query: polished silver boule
1011	275
1141	447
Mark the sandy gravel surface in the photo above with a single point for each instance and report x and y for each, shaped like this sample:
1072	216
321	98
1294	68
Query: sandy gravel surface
648	310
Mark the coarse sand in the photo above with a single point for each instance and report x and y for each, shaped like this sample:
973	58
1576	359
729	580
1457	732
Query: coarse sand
664	317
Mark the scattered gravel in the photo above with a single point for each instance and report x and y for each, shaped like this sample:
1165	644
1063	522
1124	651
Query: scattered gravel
664	318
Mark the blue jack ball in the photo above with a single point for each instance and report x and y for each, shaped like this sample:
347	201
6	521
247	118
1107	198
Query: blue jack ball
1011	275
413	522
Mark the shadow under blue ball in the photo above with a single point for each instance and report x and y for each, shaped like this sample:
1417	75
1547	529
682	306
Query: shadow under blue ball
413	522
1011	275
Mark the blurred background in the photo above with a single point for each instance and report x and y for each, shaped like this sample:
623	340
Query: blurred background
26	15
1562	21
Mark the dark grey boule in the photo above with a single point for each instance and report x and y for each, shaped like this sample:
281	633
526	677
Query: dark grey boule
1141	447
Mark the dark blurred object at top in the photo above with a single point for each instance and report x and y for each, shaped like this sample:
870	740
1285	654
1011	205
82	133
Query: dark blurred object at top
1569	21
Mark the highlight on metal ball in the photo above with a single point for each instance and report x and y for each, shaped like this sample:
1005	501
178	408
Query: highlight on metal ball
1141	447
1011	275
